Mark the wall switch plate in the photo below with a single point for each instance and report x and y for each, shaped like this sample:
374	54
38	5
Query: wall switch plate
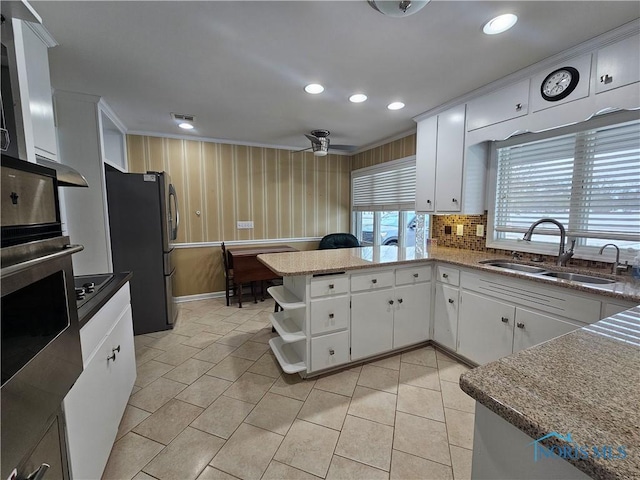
460	230
245	225
479	230
447	229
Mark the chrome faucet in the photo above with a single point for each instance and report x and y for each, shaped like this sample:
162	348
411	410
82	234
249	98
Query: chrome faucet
616	267
563	256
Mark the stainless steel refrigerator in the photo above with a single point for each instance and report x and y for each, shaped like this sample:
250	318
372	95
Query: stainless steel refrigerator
143	221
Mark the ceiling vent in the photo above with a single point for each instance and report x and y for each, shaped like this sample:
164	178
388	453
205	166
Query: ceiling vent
183	117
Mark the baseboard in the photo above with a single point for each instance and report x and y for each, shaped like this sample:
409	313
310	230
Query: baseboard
199	296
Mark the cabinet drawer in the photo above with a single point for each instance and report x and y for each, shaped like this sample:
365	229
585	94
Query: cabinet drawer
329	350
504	104
329	315
332	285
408	276
450	276
371	281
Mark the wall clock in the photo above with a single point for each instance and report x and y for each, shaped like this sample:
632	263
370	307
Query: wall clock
559	84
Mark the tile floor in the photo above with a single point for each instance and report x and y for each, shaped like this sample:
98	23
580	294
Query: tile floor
211	402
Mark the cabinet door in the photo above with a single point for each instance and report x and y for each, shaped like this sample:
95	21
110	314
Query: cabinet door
504	104
485	328
411	318
371	323
426	140
445	316
450	152
533	328
618	64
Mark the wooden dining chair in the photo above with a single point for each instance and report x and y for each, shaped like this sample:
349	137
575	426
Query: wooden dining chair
231	287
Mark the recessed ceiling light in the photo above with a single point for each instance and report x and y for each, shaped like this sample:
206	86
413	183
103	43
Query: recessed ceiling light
500	24
186	126
395	106
357	98
314	88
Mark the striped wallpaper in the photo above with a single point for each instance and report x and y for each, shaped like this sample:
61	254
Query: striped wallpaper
395	150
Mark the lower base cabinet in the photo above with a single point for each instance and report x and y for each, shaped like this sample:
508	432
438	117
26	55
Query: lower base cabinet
533	328
445	316
411	317
371	323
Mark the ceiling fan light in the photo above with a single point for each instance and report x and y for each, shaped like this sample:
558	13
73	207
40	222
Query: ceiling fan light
397	8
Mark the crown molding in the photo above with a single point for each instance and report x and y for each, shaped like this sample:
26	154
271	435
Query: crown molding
42	33
104	106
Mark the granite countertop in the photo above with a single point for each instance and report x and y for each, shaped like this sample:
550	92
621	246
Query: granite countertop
340	260
95	303
586	383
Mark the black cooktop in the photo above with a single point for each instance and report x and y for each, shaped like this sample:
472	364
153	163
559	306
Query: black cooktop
89	285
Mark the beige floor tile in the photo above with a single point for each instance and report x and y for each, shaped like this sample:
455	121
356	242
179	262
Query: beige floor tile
132	416
186	456
252	326
250	350
210	473
239	318
129	455
249	387
202	339
274	413
189	329
441	355
157	335
293	386
461	459
325	408
214	353
454	397
266	365
422	437
280	471
141	341
156	394
168	340
168	421
204	391
451	371
460	428
248	452
143	476
223	417
420	401
419	376
366	442
145	354
264	335
308	447
150	371
220	328
373	405
405	466
379	378
345	469
231	368
425	356
392	362
135	389
235	338
342	383
189	371
177	354
212	319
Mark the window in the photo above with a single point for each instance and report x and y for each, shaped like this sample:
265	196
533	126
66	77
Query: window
383	204
586	176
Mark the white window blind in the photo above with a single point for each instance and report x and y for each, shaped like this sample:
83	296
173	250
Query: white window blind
588	180
389	186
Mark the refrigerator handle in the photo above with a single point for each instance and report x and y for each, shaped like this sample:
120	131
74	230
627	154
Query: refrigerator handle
172	193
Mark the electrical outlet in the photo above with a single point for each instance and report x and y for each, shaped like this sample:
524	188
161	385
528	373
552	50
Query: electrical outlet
479	230
460	230
245	225
447	229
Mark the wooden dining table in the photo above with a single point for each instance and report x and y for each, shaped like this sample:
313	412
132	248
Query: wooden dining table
247	268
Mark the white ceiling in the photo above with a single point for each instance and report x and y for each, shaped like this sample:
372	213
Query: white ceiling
240	67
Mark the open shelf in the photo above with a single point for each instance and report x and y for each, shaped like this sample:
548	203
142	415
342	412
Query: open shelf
287	356
285	298
286	327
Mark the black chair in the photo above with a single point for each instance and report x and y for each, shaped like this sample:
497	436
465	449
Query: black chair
338	240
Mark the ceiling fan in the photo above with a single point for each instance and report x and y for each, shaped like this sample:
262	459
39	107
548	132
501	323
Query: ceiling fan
320	143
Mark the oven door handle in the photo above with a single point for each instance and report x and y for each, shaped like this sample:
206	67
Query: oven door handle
18	267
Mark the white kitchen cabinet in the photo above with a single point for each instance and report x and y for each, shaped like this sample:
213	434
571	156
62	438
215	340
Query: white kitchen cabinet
411	316
372	323
328	351
504	104
611	308
618	64
533	328
291	346
445	316
449	177
32	42
485	328
96	403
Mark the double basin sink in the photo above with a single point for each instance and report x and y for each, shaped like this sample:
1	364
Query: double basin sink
543	272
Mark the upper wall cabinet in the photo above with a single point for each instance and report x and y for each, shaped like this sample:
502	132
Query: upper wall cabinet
571	76
618	65
504	104
113	142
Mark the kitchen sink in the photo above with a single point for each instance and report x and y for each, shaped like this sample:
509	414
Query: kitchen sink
576	277
513	266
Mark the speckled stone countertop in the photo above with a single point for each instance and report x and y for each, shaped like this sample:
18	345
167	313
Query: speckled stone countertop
586	383
340	260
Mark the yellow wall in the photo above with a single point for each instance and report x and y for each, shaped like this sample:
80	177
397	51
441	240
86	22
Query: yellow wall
403	147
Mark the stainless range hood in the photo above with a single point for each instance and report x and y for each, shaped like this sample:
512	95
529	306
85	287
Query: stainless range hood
67	176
